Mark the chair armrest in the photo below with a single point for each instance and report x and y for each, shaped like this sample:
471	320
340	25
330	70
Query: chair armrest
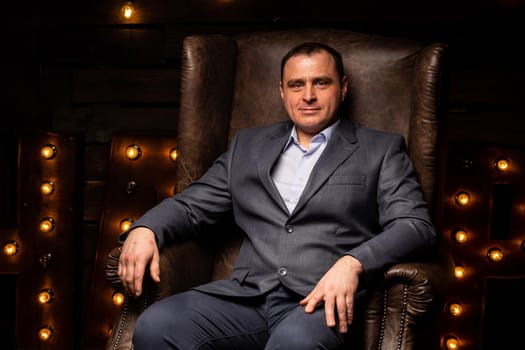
182	266
401	311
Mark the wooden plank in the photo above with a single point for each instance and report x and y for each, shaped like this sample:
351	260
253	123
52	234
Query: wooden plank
487	87
102	45
125	85
8	181
203	11
176	32
500	126
99	122
96	157
155	11
93	200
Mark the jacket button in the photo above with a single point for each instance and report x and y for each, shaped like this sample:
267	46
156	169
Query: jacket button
289	228
282	271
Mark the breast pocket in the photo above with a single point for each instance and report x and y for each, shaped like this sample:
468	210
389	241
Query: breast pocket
353	180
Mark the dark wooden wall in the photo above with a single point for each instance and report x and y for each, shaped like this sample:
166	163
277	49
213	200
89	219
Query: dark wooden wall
78	67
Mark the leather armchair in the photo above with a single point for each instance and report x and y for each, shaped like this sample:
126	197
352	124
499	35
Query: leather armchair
232	82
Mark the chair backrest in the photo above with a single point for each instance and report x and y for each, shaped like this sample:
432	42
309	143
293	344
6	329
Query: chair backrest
228	83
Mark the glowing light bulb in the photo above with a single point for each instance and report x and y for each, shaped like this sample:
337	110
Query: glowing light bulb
452	343
48	151
502	164
11	248
118	298
462	199
495	254
455	309
460	236
47	225
128	9
45	333
459	272
125	224
45	296
173	154
133	152
47	187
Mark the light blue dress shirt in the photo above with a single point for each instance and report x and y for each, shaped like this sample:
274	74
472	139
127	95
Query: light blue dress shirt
293	168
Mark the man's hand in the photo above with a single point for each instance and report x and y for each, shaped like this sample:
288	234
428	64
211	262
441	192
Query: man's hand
337	289
139	250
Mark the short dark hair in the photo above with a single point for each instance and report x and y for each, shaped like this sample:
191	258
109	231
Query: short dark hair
310	48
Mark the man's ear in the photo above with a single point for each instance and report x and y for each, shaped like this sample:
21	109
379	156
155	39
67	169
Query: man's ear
344	88
281	89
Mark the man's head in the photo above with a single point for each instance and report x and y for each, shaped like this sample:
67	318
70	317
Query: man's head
310	48
313	85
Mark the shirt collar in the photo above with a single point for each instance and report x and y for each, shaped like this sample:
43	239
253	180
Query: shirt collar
325	133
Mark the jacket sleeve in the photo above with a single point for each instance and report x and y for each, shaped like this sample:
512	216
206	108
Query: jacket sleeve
403	214
187	214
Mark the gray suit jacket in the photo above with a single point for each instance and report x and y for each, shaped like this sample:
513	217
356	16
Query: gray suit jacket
362	199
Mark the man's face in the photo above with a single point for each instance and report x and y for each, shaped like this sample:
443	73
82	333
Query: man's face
312	92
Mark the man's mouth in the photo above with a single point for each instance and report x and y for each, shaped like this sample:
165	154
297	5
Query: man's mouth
311	110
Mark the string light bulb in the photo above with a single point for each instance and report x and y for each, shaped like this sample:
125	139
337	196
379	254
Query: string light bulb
173	154
45	296
125	224
118	298
45	260
460	236
459	271
11	248
133	152
48	151
452	343
128	9
455	308
462	199
47	188
45	333
495	254
502	164
47	225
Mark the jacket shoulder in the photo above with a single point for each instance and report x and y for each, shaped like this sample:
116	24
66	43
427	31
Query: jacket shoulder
365	133
265	130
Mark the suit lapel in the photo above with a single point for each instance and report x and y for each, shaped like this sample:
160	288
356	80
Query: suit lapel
341	146
272	148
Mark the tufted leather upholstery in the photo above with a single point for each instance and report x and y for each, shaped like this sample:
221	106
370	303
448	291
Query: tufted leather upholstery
228	83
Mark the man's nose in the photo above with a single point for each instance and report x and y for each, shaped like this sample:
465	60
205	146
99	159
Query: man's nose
309	93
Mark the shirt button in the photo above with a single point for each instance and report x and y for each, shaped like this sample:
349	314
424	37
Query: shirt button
289	228
282	271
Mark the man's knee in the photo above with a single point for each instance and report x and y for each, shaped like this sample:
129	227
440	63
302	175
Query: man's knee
300	340
301	331
147	329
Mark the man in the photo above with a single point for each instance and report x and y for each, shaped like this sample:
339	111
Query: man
324	204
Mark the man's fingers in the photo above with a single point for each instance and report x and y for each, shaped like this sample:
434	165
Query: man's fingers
329	307
349	309
138	273
154	268
126	273
311	302
342	313
121	272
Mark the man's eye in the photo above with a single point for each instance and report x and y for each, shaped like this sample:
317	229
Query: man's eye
322	83
296	85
